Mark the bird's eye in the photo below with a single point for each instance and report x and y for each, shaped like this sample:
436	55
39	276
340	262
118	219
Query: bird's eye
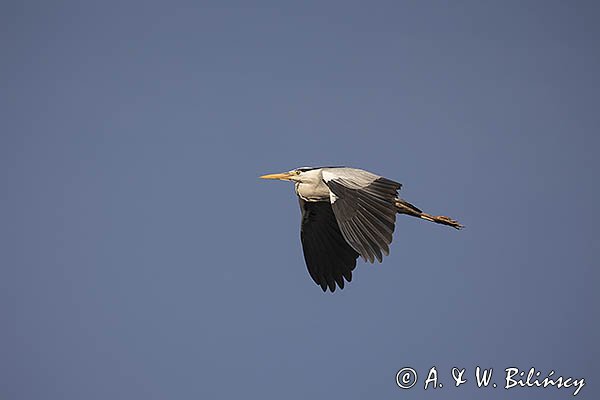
297	172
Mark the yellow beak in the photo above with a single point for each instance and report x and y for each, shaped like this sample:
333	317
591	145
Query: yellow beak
285	176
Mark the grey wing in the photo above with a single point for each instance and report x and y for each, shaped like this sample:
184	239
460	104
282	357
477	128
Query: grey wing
328	257
364	206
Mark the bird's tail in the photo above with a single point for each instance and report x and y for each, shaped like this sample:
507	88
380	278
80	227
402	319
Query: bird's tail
404	207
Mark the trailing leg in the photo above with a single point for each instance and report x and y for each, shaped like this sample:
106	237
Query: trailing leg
404	207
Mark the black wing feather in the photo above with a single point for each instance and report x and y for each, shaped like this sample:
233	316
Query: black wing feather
329	258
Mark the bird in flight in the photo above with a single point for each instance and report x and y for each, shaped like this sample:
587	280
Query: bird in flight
346	213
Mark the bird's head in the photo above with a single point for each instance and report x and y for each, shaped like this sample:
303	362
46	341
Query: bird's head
302	174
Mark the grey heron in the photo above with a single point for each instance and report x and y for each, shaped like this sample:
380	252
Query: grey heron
346	213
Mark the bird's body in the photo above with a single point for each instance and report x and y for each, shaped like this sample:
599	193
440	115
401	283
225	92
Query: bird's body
346	213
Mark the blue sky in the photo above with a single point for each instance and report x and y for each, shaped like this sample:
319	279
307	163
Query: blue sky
142	258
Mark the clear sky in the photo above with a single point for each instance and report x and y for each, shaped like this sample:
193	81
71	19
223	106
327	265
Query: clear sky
142	258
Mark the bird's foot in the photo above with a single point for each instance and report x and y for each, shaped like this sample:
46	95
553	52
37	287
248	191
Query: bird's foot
441	219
